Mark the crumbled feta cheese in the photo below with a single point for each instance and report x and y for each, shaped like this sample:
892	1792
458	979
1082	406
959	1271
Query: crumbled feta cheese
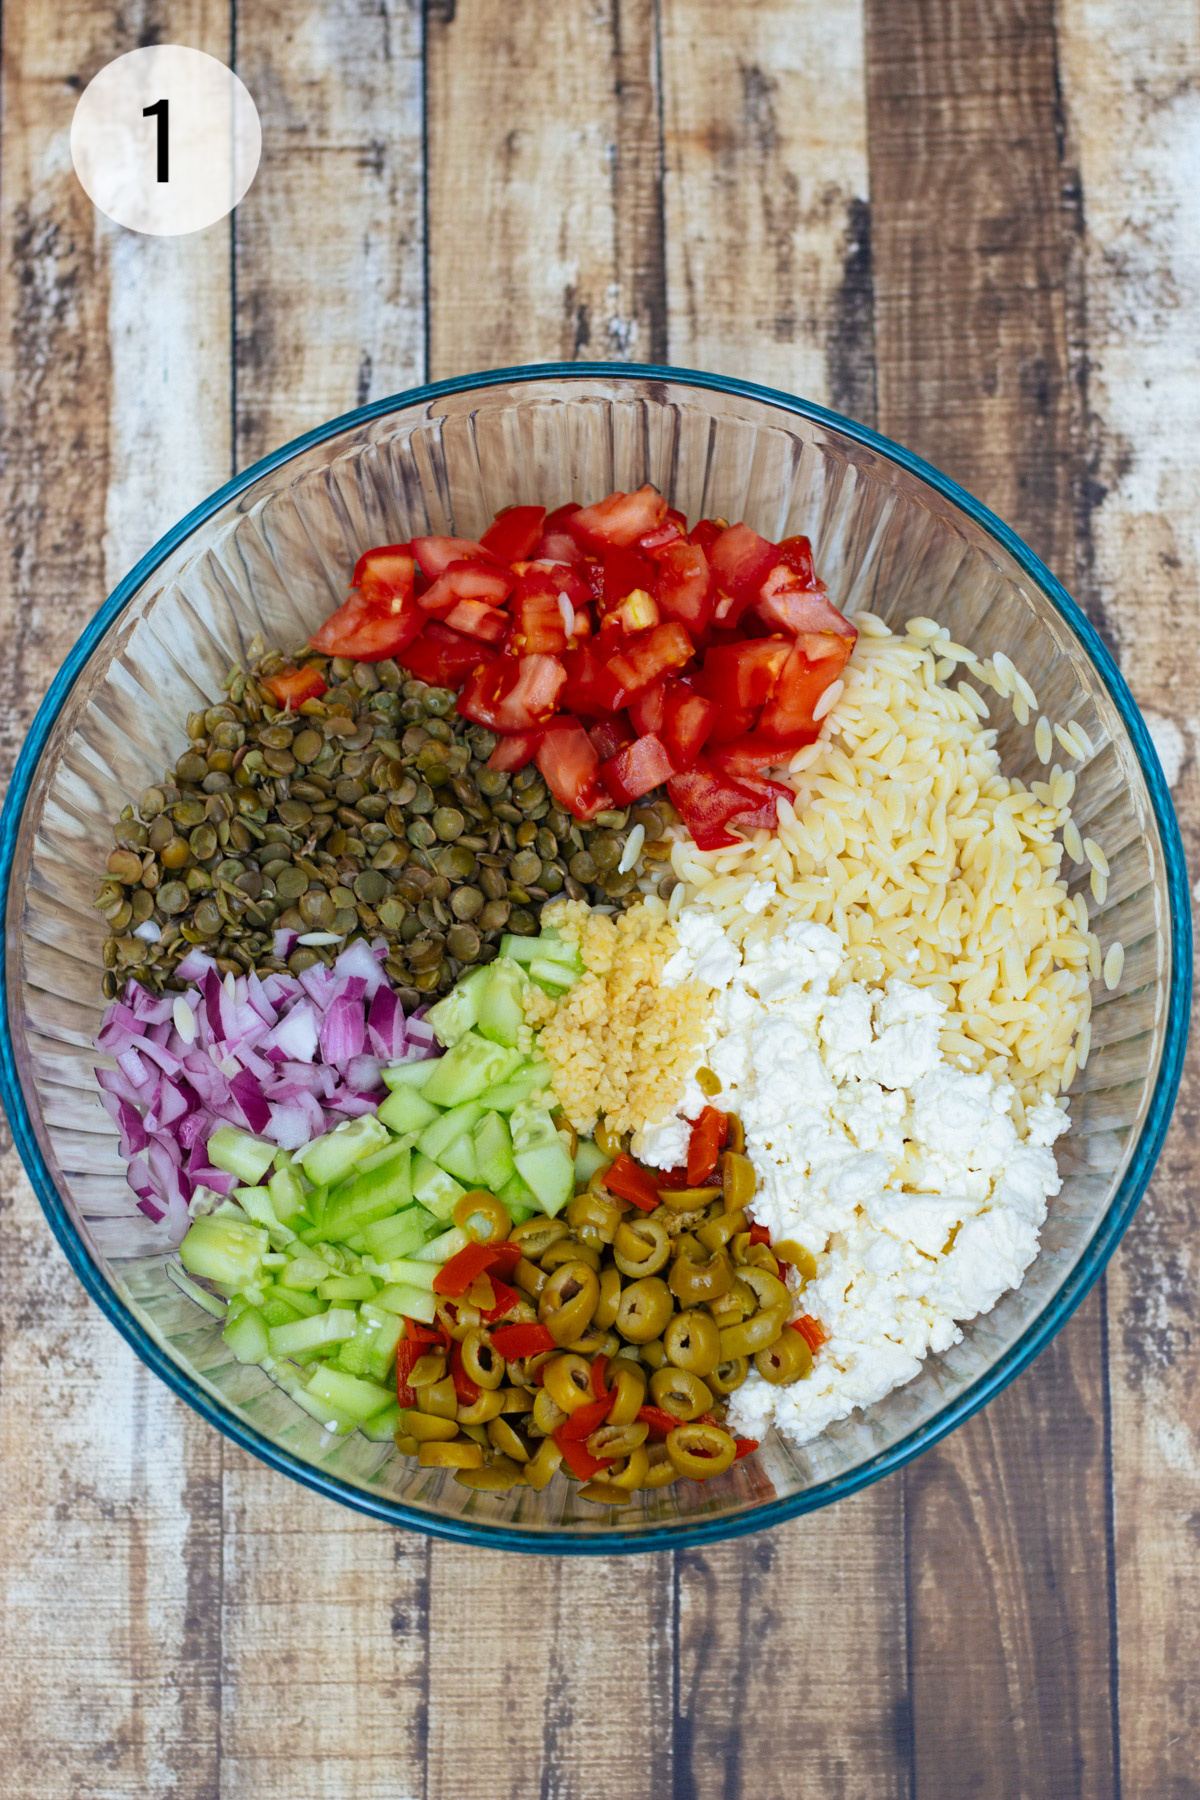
906	1178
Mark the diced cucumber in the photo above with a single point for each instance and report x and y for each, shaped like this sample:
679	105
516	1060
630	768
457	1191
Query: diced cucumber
530	1078
331	1327
301	1302
408	1302
224	1249
471	1066
381	1427
555	977
347	1395
330	1158
501	1014
256	1202
363	1199
278	1308
440	1249
407	1110
398	1236
454	1016
436	1190
448	1126
411	1271
391	1152
239	1154
458	1159
492	1151
303	1272
413	1072
246	1335
589	1158
517	1192
380	1330
347	1287
550	945
541	1157
519	1211
287	1194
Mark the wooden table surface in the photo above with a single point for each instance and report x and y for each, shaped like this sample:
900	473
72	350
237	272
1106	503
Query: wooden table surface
972	223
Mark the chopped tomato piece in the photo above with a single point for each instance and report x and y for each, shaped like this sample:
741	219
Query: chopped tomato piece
435	554
647	710
743	674
812	1331
517	1341
705	1145
584	1420
637	612
731	723
610	735
641	766
665	648
705	532
746	755
588	687
801	684
625	572
513	693
629	1181
515	750
762	814
688	720
384	573
291	687
539	619
744	1447
740	561
685	586
514	532
442	657
621	519
796	552
489	623
706	801
673	528
370	633
569	765
482	581
784	603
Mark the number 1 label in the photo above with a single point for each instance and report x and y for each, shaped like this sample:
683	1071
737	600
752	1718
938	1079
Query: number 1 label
160	111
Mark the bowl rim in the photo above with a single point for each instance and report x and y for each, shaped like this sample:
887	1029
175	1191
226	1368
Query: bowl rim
1019	1354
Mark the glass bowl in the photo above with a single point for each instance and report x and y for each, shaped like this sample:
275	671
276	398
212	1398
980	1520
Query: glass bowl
270	553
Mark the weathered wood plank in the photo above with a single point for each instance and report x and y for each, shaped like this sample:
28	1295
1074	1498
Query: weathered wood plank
1009	1621
324	1638
544	194
329	240
1130	80
765	161
109	1520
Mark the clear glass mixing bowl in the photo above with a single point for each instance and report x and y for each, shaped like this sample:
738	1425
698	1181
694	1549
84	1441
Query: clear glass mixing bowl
270	553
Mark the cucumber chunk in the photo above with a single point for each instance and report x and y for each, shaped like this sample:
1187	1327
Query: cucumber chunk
224	1250
331	1327
329	1159
381	1427
239	1154
501	1014
447	1126
407	1110
440	1249
347	1287
347	1395
549	945
366	1198
555	977
436	1190
531	1078
468	1069
458	1159
246	1335
493	1156
411	1272
372	1349
541	1157
413	1072
400	1235
287	1194
589	1158
454	1016
408	1302
303	1272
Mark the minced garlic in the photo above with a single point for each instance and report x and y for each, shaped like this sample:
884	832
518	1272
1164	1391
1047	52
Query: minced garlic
621	1046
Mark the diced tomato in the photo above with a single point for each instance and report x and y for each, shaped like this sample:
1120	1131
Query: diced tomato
659	1420
784	603
763	812
625	571
662	650
706	801
515	750
513	693
731	723
688	720
744	1447
673	527
705	532
481	581
743	674
796	552
514	532
629	1181
641	766
569	765
812	1331
637	612
442	657
620	519
384	573
559	547
539	625
466	1390
291	687
685	586
801	684
610	735
740	561
705	1145
588	687
517	1341
488	623
435	554
370	633
746	755
584	1420
648	709
579	1458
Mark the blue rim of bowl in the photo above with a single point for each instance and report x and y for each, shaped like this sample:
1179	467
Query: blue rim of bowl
1035	1337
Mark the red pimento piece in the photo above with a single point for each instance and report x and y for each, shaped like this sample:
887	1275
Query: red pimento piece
579	1458
628	1181
455	1276
514	1342
585	1419
759	1234
505	1256
705	1145
466	1389
514	533
812	1331
599	1368
659	1420
291	687
744	1447
505	1299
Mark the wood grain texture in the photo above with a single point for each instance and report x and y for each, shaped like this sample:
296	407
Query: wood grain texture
330	238
1131	85
768	222
544	185
1009	1568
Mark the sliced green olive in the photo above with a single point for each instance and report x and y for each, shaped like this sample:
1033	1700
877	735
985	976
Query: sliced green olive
645	1307
568	1300
692	1341
593	1218
568	1382
484	1218
494	1477
680	1393
544	1463
787	1359
738	1180
641	1247
450	1456
628	1385
631	1474
715	1235
536	1235
700	1451
439	1399
693	1281
481	1363
789	1251
605	1315
428	1429
610	1440
487	1405
503	1437
729	1374
767	1288
752	1334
